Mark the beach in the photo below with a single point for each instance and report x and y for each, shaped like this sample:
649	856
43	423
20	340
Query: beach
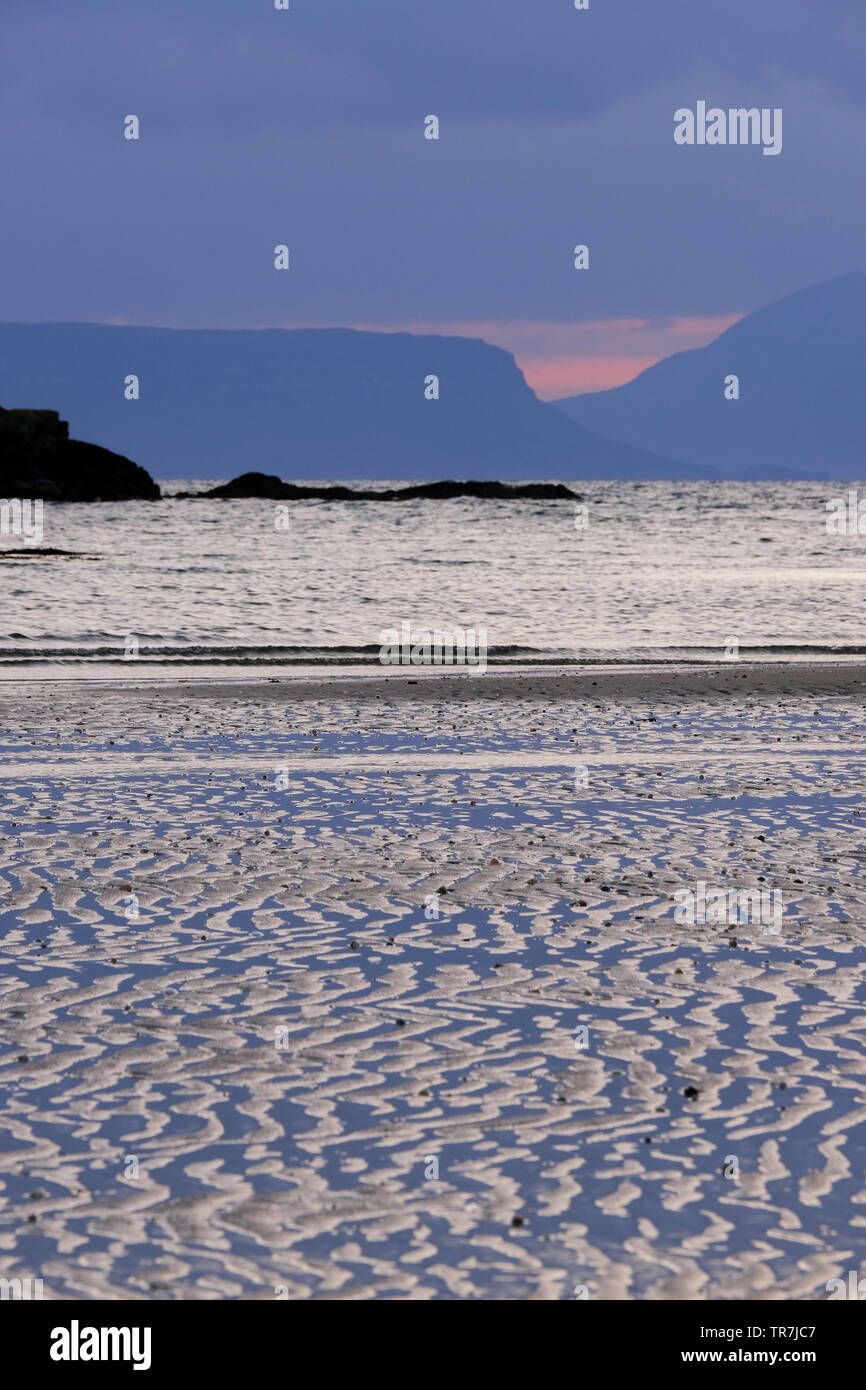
353	985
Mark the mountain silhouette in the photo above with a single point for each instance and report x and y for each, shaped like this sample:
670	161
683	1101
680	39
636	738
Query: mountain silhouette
801	364
305	404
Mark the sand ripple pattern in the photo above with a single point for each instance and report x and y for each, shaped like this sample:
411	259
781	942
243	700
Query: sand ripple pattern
330	1087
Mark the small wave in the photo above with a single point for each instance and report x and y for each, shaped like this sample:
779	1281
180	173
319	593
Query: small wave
368	653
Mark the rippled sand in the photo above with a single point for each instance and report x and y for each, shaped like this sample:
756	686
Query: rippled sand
290	1036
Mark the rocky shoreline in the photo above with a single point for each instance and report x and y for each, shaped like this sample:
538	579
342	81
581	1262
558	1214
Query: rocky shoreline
269	486
39	460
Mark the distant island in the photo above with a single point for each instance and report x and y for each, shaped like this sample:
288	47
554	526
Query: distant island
328	405
266	485
778	395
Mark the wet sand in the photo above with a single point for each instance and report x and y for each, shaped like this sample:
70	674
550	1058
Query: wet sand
313	952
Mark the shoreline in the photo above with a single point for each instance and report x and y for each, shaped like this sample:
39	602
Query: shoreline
629	681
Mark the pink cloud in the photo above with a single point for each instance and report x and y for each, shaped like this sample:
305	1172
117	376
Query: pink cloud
551	377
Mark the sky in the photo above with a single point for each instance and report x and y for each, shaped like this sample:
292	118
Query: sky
305	127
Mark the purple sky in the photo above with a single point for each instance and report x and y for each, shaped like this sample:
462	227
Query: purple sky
305	126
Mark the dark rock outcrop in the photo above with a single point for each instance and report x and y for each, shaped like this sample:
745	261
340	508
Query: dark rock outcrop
38	459
45	552
266	485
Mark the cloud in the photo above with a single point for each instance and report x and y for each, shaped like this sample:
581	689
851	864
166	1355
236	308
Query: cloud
306	127
244	68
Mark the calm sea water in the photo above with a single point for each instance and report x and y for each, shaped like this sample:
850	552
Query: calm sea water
661	571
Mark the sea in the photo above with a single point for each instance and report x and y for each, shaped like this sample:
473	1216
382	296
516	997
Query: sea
626	572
